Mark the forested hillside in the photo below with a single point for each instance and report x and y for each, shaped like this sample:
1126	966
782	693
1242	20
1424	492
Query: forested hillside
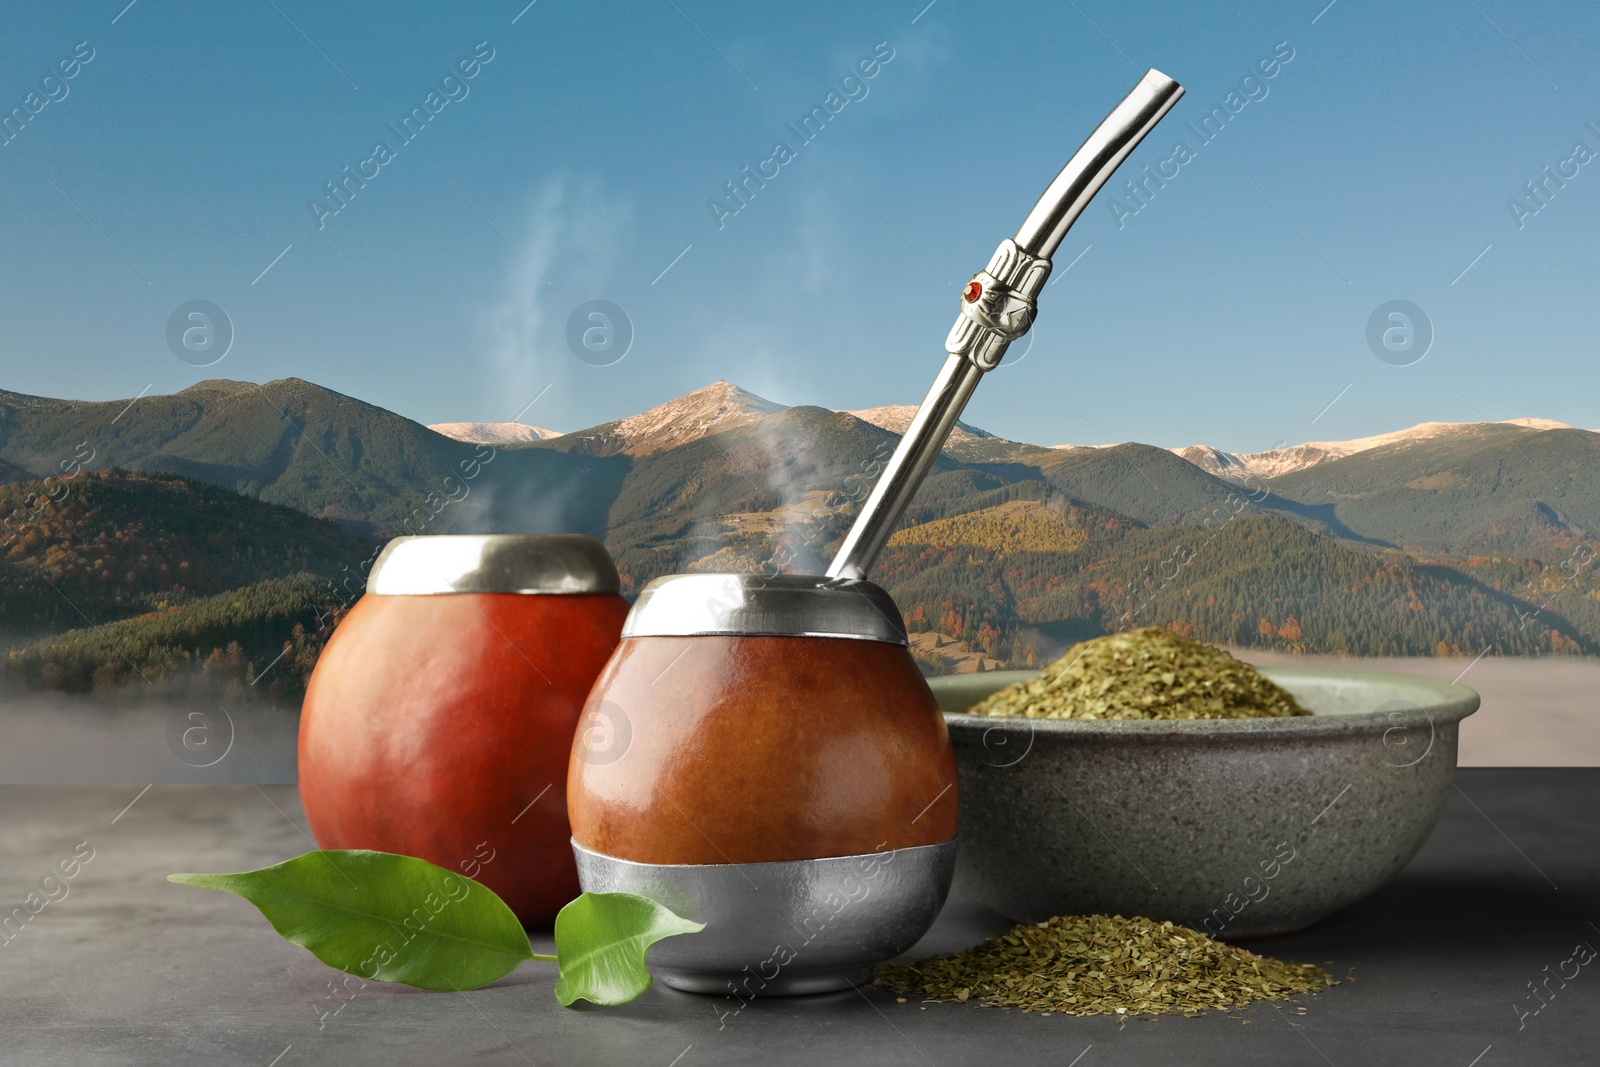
112	577
261	640
1259	581
106	545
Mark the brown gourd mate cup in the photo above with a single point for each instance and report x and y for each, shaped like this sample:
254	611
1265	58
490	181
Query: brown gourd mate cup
761	753
439	720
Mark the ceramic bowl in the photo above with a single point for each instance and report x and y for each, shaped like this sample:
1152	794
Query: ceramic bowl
1237	827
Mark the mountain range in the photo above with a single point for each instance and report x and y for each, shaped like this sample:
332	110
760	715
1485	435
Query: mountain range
1446	538
722	406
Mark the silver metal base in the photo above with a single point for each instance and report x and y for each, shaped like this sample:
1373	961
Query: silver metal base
784	928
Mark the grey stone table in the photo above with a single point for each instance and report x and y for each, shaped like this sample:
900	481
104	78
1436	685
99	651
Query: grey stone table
127	968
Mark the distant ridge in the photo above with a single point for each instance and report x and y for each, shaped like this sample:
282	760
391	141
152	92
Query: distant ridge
493	433
966	442
1279	461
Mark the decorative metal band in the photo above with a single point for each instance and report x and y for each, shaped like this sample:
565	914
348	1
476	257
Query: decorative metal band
997	305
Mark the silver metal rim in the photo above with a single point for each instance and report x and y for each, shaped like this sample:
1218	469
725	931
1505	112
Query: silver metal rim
781	605
558	564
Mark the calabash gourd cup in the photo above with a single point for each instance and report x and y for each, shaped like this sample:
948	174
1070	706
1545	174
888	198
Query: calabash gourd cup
761	754
439	719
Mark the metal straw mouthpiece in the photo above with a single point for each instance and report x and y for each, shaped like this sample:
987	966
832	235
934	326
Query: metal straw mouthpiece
997	307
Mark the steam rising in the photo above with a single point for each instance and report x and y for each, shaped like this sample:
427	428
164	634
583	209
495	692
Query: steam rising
568	250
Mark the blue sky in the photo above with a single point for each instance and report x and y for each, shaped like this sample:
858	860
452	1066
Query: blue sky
180	160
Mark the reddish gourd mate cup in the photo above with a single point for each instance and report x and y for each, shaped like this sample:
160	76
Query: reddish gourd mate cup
439	719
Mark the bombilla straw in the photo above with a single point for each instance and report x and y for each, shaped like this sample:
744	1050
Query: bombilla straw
997	307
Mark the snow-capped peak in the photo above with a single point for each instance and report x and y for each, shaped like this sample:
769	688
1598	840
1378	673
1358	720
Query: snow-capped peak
712	409
897	417
493	433
1286	460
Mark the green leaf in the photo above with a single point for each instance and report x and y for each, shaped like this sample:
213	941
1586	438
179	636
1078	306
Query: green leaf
601	939
384	917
